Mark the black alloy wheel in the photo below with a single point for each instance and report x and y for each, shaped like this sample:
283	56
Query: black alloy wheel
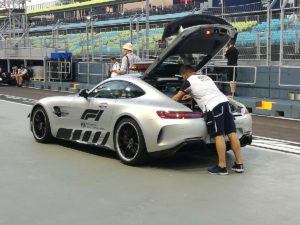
129	142
40	125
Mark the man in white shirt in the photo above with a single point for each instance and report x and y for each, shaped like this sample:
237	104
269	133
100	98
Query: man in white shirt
128	59
211	99
115	67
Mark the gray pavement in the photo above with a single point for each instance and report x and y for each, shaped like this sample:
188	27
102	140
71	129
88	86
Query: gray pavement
52	184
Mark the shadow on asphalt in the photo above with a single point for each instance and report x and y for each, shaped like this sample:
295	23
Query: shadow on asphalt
202	158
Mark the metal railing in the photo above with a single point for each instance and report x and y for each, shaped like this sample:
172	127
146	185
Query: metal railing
92	71
280	83
234	74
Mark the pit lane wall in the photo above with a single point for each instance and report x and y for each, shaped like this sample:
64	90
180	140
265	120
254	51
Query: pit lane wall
276	91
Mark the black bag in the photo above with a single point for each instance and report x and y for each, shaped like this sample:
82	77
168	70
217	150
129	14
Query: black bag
210	123
29	73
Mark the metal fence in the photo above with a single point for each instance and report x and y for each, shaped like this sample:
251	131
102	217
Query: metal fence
91	72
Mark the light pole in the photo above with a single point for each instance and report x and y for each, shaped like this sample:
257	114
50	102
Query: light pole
147	29
269	38
284	3
138	33
222	2
88	20
132	18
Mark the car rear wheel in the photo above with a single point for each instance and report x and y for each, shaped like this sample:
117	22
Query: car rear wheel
130	143
40	125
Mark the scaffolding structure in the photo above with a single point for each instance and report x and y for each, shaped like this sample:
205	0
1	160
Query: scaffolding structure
14	28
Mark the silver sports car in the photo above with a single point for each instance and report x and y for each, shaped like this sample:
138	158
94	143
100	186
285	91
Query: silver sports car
135	116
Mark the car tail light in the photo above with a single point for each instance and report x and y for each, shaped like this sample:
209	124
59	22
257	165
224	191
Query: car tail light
179	115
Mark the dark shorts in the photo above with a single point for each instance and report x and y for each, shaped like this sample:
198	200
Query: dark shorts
224	120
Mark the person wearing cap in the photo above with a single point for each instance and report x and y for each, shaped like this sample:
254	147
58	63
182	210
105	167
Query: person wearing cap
128	59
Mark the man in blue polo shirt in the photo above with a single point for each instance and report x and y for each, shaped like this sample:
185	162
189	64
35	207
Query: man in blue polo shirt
210	98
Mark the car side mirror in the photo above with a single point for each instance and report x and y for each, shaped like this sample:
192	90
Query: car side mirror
83	93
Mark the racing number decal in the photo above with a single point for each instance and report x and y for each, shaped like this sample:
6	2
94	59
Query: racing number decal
92	113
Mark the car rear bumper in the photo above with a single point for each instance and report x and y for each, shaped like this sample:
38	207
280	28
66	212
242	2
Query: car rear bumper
195	145
188	145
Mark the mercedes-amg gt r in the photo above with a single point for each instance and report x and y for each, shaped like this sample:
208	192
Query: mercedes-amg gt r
135	116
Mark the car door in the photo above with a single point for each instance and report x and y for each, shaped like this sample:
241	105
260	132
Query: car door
94	121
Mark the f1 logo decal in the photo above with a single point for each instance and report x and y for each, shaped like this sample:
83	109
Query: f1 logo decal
92	113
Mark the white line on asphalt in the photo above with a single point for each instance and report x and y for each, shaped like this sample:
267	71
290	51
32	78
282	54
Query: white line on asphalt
51	90
18	103
276	117
279	148
272	150
274	139
277	145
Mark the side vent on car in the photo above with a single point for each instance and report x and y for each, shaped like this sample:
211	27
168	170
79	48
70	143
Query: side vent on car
57	111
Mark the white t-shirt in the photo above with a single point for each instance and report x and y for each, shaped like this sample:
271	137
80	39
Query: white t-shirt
115	66
204	91
23	71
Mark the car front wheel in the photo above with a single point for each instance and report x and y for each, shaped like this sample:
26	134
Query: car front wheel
40	125
129	142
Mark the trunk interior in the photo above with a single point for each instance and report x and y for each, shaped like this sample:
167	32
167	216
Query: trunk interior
170	86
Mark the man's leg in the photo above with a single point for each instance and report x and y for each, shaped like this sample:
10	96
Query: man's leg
232	88
17	79
236	147
21	80
221	150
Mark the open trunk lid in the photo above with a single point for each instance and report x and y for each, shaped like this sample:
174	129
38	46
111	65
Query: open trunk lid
199	38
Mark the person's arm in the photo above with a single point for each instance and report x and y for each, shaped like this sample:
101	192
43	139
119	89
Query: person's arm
123	67
178	96
186	97
24	72
226	52
115	67
183	91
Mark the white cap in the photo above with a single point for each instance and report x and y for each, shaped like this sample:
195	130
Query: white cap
128	46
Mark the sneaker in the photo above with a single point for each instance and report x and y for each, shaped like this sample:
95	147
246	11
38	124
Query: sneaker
218	170
238	168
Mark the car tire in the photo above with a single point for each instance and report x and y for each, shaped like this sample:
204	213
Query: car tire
40	125
130	143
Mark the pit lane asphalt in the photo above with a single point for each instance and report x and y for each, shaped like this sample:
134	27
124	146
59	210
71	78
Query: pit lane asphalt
71	184
262	126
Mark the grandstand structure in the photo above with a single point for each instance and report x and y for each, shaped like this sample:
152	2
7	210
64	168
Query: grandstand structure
94	29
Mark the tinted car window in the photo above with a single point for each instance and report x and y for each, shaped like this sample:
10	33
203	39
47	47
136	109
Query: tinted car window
132	91
111	89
